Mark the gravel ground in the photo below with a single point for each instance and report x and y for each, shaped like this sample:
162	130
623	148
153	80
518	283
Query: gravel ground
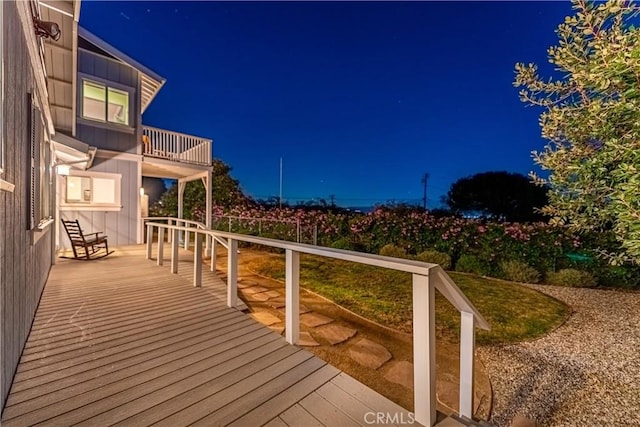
585	373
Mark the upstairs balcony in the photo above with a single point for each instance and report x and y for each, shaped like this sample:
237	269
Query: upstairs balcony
175	146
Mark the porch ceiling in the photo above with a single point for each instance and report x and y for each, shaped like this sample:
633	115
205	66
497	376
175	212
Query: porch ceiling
59	59
159	168
72	152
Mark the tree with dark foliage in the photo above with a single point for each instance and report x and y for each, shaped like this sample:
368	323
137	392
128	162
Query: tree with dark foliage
499	195
226	192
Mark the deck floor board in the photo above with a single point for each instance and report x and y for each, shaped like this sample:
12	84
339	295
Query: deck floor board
122	341
73	384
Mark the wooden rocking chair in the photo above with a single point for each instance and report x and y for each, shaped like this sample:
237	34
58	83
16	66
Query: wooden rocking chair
85	247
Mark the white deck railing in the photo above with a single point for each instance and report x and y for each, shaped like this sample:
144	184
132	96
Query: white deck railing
426	279
175	146
260	225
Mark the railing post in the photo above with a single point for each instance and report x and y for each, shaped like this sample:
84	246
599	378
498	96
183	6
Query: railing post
149	239
232	273
315	234
214	245
186	236
467	351
197	261
175	258
170	234
292	297
424	350
229	224
160	245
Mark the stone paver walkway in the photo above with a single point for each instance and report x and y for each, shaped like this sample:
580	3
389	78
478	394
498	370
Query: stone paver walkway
322	332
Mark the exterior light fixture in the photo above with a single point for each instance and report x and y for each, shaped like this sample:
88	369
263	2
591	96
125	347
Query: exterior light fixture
63	169
142	191
47	29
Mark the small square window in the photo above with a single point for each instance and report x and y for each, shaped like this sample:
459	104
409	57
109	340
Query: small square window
78	189
104	191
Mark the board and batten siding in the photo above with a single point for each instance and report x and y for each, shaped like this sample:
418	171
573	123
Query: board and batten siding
119	226
104	136
24	267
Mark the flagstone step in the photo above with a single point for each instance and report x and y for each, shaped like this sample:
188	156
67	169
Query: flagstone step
335	334
369	354
303	309
307	340
265	318
253	290
311	320
401	373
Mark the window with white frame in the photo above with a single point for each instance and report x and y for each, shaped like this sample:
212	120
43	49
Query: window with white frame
103	103
92	189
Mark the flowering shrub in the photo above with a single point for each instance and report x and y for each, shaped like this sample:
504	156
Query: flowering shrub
541	246
311	226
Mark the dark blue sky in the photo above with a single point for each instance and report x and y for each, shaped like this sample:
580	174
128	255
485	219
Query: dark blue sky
359	98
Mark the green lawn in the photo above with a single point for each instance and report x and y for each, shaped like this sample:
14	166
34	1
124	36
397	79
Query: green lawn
514	312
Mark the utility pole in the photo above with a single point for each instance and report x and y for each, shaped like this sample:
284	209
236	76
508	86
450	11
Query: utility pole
425	178
280	199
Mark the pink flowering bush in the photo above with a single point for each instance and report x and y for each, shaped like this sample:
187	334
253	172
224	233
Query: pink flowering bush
539	245
279	223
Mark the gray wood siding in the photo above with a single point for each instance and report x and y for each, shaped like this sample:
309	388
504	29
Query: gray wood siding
24	267
106	69
120	227
107	139
100	135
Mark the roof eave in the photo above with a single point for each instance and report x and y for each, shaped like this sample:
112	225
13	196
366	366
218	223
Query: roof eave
123	57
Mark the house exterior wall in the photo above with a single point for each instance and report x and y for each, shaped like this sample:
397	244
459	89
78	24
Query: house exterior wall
120	226
24	266
104	136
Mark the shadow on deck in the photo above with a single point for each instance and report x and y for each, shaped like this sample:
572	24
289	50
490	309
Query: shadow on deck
121	340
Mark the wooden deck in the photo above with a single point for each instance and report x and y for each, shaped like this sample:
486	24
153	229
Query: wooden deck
122	341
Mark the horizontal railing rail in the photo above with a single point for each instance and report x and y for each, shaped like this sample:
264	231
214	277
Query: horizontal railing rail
185	223
297	231
176	146
426	279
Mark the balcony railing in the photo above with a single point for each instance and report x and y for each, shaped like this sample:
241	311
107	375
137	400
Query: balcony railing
175	146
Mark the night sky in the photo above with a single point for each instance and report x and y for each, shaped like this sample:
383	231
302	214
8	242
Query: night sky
360	99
